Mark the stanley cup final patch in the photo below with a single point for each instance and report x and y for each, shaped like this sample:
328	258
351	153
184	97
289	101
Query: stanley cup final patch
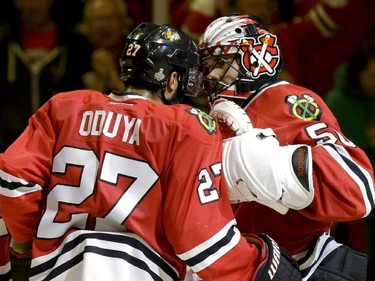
304	107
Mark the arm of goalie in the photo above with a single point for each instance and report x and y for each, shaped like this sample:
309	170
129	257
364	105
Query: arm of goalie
257	168
237	122
276	263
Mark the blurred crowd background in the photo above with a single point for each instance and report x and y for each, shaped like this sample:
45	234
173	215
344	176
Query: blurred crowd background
328	46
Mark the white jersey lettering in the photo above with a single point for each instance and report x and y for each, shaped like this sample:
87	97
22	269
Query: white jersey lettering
98	122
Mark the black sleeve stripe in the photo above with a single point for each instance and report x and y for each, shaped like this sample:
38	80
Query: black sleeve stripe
354	167
14	185
213	249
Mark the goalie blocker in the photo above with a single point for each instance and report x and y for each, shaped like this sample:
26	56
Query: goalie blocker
257	168
276	263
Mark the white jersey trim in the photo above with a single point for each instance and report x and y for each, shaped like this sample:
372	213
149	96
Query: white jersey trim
323	247
356	172
11	186
211	250
3	228
93	255
5	272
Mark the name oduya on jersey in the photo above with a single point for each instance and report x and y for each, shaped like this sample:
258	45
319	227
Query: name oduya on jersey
95	123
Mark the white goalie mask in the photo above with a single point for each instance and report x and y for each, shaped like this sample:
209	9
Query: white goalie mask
245	40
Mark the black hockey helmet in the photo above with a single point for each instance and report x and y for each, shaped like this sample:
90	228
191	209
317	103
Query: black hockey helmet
153	51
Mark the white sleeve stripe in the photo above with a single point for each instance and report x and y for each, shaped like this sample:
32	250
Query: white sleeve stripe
211	256
11	186
357	173
308	264
208	243
211	250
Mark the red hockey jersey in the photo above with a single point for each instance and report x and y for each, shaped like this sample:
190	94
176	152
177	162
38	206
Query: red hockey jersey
342	173
132	186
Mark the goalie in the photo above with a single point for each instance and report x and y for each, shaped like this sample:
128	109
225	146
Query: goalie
291	170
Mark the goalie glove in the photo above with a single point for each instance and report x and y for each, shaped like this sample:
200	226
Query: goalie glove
231	118
276	263
256	168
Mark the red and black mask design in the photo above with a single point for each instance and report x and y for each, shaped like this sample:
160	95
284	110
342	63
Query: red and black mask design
260	56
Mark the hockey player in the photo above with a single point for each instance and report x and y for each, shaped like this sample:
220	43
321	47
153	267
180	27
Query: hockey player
127	186
292	171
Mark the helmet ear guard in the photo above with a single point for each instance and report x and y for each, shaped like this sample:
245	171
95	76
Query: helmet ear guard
152	52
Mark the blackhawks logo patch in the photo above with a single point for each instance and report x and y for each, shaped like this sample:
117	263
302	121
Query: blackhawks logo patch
204	120
304	107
